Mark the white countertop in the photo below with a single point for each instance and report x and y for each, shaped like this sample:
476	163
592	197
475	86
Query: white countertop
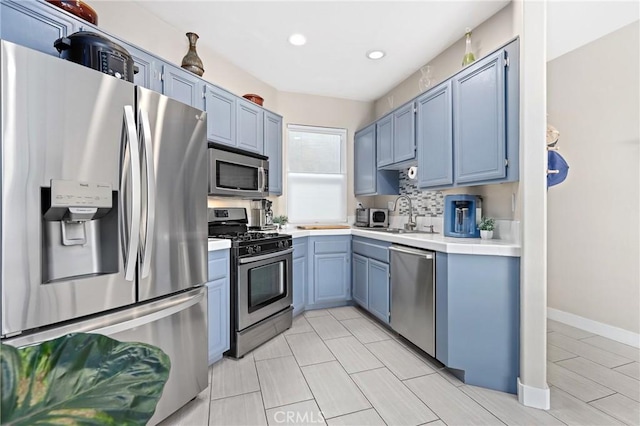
436	242
218	244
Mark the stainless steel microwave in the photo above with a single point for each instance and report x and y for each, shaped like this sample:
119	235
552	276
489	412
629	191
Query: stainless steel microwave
237	173
372	218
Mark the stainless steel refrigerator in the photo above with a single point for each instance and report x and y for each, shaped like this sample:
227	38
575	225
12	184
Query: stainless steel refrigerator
104	216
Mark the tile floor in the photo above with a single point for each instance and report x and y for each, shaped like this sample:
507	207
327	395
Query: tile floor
340	367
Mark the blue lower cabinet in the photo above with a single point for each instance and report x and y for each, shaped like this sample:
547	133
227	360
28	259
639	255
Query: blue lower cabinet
478	318
379	300
218	304
360	280
299	274
329	271
371	276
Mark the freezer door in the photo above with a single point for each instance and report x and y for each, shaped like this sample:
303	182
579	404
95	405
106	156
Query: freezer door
67	123
177	325
173	239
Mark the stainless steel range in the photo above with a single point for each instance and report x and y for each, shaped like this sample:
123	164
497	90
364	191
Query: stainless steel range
261	280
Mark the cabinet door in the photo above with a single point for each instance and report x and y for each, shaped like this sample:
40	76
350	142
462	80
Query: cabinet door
221	115
182	85
148	73
379	300
218	318
273	150
364	161
435	137
331	277
249	126
384	140
34	25
404	136
479	121
360	280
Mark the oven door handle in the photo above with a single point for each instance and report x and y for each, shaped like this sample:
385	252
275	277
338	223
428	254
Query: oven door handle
264	256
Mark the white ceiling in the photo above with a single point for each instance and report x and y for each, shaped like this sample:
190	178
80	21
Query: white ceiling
253	35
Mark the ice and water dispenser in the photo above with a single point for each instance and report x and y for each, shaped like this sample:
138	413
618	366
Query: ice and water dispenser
462	215
79	230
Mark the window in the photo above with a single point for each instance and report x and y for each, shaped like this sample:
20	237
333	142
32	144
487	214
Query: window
316	174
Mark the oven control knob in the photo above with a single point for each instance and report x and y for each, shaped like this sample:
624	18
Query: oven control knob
285	243
250	250
258	249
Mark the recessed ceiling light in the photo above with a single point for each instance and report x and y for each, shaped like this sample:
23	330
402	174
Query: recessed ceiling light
375	54
297	39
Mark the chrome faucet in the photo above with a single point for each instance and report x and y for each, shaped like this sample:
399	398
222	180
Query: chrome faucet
410	225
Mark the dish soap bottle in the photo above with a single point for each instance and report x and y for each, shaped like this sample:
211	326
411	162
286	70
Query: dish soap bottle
468	54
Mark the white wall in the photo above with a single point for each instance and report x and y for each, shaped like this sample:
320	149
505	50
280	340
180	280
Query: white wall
593	256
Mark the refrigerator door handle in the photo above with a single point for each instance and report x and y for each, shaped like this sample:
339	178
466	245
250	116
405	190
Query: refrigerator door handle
146	248
132	148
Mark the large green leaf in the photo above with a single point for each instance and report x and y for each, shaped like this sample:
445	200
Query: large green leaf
85	379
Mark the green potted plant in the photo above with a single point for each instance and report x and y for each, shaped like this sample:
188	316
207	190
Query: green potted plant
81	378
281	221
487	225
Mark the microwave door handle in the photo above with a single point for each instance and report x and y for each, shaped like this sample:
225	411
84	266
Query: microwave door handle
263	179
146	249
131	155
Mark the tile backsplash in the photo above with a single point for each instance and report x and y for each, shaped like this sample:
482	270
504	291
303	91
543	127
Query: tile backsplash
428	203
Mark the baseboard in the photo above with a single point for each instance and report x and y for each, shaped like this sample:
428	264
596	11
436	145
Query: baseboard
605	330
534	397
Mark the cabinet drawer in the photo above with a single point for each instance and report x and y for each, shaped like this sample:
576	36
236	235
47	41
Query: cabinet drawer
372	251
331	247
299	248
218	264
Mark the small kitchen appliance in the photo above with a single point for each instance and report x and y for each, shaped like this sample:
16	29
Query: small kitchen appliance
462	214
261	280
261	215
372	218
237	173
95	51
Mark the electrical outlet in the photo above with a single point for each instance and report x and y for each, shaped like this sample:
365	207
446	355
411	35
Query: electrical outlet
390	205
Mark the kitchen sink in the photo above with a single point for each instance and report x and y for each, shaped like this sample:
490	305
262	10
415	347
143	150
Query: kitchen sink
400	231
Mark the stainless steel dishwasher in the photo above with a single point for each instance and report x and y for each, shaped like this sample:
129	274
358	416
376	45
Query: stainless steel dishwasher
413	313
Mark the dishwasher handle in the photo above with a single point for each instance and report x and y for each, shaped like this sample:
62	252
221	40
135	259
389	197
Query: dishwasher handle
415	252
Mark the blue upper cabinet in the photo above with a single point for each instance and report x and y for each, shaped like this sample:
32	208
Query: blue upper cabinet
434	136
479	120
34	25
182	85
404	137
221	115
467	128
148	74
396	141
273	150
249	126
368	180
384	140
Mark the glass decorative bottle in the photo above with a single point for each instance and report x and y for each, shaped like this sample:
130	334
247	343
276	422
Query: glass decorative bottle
426	80
191	61
468	54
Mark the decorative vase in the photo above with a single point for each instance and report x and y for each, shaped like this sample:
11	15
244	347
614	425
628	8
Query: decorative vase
486	235
426	80
468	53
191	61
